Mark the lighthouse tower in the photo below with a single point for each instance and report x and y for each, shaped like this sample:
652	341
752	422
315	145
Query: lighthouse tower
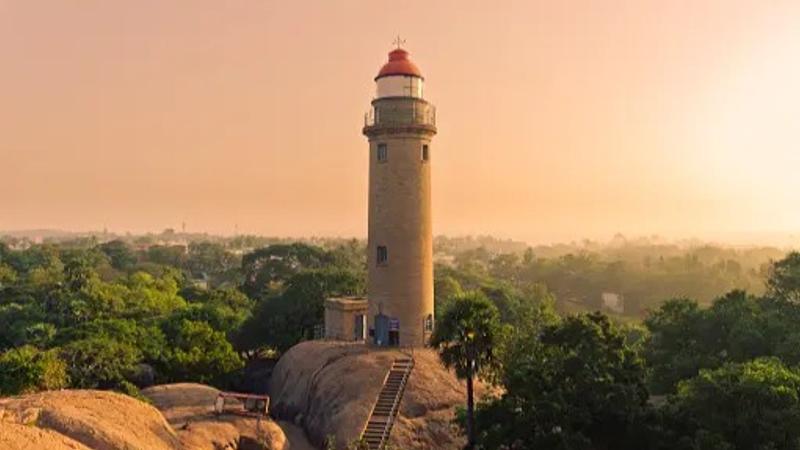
400	126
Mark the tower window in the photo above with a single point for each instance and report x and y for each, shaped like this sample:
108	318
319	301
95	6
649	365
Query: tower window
428	326
425	152
382	256
383	153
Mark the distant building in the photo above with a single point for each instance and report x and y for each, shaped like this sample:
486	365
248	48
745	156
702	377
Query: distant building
399	127
613	302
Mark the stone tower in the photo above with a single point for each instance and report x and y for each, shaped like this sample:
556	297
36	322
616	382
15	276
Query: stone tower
400	127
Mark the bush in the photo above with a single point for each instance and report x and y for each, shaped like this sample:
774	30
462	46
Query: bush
755	405
100	362
27	369
200	354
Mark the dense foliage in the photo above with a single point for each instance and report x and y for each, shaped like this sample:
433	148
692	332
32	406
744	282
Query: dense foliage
641	274
575	385
696	347
114	316
753	405
729	374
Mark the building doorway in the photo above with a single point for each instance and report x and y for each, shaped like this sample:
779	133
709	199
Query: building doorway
394	332
359	325
387	331
394	338
381	330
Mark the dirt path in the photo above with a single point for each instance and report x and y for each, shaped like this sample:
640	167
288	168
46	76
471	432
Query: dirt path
295	437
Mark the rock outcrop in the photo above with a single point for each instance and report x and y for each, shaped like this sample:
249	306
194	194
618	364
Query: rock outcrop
103	420
329	388
99	420
14	436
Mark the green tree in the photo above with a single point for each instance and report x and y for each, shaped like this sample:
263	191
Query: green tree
466	338
26	369
78	273
445	290
576	385
172	255
16	319
282	321
210	259
8	275
199	353
100	362
736	328
147	338
784	278
264	268
143	295
675	350
754	405
120	254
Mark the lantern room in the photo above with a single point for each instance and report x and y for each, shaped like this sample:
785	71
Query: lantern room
399	77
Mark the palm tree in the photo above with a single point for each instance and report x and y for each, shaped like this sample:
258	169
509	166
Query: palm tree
465	338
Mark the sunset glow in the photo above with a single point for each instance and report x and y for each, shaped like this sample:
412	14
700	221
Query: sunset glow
558	120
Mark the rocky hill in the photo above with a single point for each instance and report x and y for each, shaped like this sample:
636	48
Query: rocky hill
329	389
326	388
97	419
102	420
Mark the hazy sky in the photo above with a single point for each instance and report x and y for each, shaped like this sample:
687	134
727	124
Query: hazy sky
557	120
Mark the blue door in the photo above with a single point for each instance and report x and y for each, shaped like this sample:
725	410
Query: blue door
381	330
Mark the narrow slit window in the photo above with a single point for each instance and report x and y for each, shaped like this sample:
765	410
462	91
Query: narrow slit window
383	153
425	153
383	255
429	323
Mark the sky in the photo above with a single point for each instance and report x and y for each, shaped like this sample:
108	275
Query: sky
558	120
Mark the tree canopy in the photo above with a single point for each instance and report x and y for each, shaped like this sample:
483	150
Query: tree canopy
576	385
467	339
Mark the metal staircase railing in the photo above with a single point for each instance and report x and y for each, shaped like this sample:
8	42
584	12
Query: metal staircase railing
384	412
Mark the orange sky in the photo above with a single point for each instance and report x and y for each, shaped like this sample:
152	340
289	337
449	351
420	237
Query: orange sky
557	120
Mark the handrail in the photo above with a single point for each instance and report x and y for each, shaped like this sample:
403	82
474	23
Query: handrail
394	409
417	114
372	411
396	404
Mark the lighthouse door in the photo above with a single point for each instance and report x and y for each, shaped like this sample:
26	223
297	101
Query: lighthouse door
381	330
394	332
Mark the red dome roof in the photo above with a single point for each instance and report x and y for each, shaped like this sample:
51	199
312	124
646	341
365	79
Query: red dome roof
399	64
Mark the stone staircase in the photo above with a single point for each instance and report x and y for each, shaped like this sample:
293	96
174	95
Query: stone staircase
380	422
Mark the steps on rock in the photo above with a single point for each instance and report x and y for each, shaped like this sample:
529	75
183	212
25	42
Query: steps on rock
379	426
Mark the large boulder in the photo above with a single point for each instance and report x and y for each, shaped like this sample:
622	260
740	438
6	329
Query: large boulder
329	388
103	420
99	420
14	436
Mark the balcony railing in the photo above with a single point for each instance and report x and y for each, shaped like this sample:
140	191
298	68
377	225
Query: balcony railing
397	113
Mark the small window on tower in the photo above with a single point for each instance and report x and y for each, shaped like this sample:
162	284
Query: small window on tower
383	153
425	152
429	322
383	255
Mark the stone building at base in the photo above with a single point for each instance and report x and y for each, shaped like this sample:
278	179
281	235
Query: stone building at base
346	319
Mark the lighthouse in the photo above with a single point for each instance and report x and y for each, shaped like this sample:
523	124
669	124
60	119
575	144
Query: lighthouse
399	127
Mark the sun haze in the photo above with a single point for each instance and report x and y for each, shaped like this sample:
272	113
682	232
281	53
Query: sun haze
556	120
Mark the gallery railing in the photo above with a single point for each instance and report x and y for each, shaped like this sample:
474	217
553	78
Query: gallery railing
390	113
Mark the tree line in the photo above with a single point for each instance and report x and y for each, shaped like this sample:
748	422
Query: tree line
111	316
694	378
691	369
